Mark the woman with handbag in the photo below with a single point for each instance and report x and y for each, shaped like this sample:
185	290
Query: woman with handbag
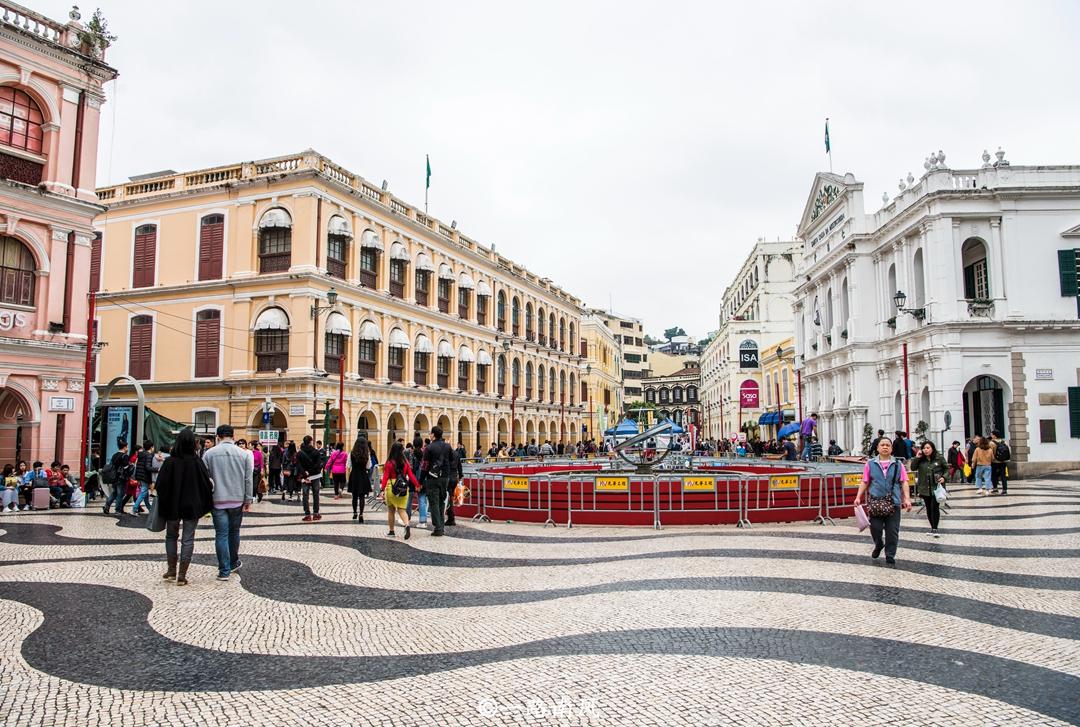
288	471
359	485
930	470
184	494
399	474
885	492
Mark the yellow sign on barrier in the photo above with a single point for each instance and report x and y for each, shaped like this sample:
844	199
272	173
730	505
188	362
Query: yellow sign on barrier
515	483
699	484
784	482
853	479
612	484
911	478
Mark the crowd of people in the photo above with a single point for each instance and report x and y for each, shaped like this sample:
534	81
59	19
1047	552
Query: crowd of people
20	481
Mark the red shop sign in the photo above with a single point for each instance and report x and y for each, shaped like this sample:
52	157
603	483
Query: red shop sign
748	394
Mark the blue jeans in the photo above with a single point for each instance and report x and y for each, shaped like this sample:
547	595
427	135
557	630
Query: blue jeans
144	494
423	507
227	537
982	477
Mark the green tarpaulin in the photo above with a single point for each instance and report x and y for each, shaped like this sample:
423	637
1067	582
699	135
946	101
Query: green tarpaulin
157	428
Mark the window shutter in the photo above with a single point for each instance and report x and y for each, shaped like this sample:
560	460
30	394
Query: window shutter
1074	411
207	344
139	347
969	281
145	254
95	263
1067	260
211	247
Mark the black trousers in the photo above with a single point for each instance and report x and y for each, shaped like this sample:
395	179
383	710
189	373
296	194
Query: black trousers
998	478
890	527
933	510
358	501
275	480
435	489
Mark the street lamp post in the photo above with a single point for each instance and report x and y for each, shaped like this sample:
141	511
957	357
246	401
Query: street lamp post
919	314
779	407
316	311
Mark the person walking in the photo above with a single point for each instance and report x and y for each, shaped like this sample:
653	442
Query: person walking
885	483
289	472
337	463
257	476
184	494
982	460
398	472
437	464
275	457
806	432
955	460
230	471
144	475
415	457
930	470
361	463
900	446
116	475
309	469
999	475
970	455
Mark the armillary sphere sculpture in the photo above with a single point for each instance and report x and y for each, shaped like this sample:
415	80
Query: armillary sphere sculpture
637	457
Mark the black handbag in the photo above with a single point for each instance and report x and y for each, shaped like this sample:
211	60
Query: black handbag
155	523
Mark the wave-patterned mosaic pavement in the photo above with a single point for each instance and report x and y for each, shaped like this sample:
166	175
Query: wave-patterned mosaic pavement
331	623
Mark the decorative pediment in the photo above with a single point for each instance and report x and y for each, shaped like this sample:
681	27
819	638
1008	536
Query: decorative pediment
828	193
1072	232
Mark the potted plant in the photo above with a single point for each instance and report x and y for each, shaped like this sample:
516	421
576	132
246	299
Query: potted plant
828	338
95	37
843	333
980	306
814	345
891	323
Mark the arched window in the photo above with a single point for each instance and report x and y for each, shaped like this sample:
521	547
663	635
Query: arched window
920	279
562	386
275	241
211	246
424	268
528	380
551	331
16	272
676	394
368	351
140	347
338	234
976	272
784	385
571	389
20	120
515	316
515	377
337	332
500	311
572	337
691	394
541	322
540	382
500	374
562	334
144	260
208	343
650	396
397	343
370	248
272	340
664	396
890	289
529	321
845	305
551	385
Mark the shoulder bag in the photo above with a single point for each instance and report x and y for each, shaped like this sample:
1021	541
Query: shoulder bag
881	506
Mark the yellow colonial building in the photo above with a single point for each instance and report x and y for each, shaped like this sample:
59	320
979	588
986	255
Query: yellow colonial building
280	285
601	375
779	397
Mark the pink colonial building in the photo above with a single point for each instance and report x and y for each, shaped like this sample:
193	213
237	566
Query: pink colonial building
51	77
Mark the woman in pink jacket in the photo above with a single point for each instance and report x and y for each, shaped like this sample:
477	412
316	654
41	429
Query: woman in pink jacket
336	464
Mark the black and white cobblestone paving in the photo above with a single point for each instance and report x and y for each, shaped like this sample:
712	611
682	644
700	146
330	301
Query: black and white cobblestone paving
332	623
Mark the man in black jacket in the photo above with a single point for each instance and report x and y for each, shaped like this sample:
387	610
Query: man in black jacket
120	468
144	475
438	467
310	464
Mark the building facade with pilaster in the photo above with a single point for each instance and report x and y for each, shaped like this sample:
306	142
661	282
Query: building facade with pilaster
51	92
209	281
955	301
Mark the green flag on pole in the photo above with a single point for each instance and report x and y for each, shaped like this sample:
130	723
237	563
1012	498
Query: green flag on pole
428	185
827	147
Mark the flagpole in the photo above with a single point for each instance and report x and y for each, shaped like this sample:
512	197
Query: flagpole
427	181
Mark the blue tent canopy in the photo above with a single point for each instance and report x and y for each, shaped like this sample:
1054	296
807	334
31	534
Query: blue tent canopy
626	426
675	428
769	417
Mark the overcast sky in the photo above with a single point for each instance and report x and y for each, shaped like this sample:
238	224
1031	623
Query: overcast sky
631	151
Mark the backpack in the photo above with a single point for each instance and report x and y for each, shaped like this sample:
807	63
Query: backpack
108	474
400	486
1001	451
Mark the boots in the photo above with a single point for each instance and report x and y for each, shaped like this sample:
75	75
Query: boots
170	574
181	577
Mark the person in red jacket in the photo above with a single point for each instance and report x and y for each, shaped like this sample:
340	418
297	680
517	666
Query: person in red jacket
396	470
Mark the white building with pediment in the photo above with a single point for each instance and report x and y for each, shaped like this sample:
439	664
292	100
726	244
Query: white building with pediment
987	261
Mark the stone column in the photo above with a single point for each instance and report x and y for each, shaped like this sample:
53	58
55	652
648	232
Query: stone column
1017	411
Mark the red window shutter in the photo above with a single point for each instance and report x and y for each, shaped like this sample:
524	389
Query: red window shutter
211	247
95	263
145	256
94	357
584	349
207	344
139	347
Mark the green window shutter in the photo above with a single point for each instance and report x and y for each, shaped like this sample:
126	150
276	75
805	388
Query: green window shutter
1074	411
1067	271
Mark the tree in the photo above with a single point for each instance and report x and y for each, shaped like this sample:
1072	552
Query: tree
670	333
650	341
